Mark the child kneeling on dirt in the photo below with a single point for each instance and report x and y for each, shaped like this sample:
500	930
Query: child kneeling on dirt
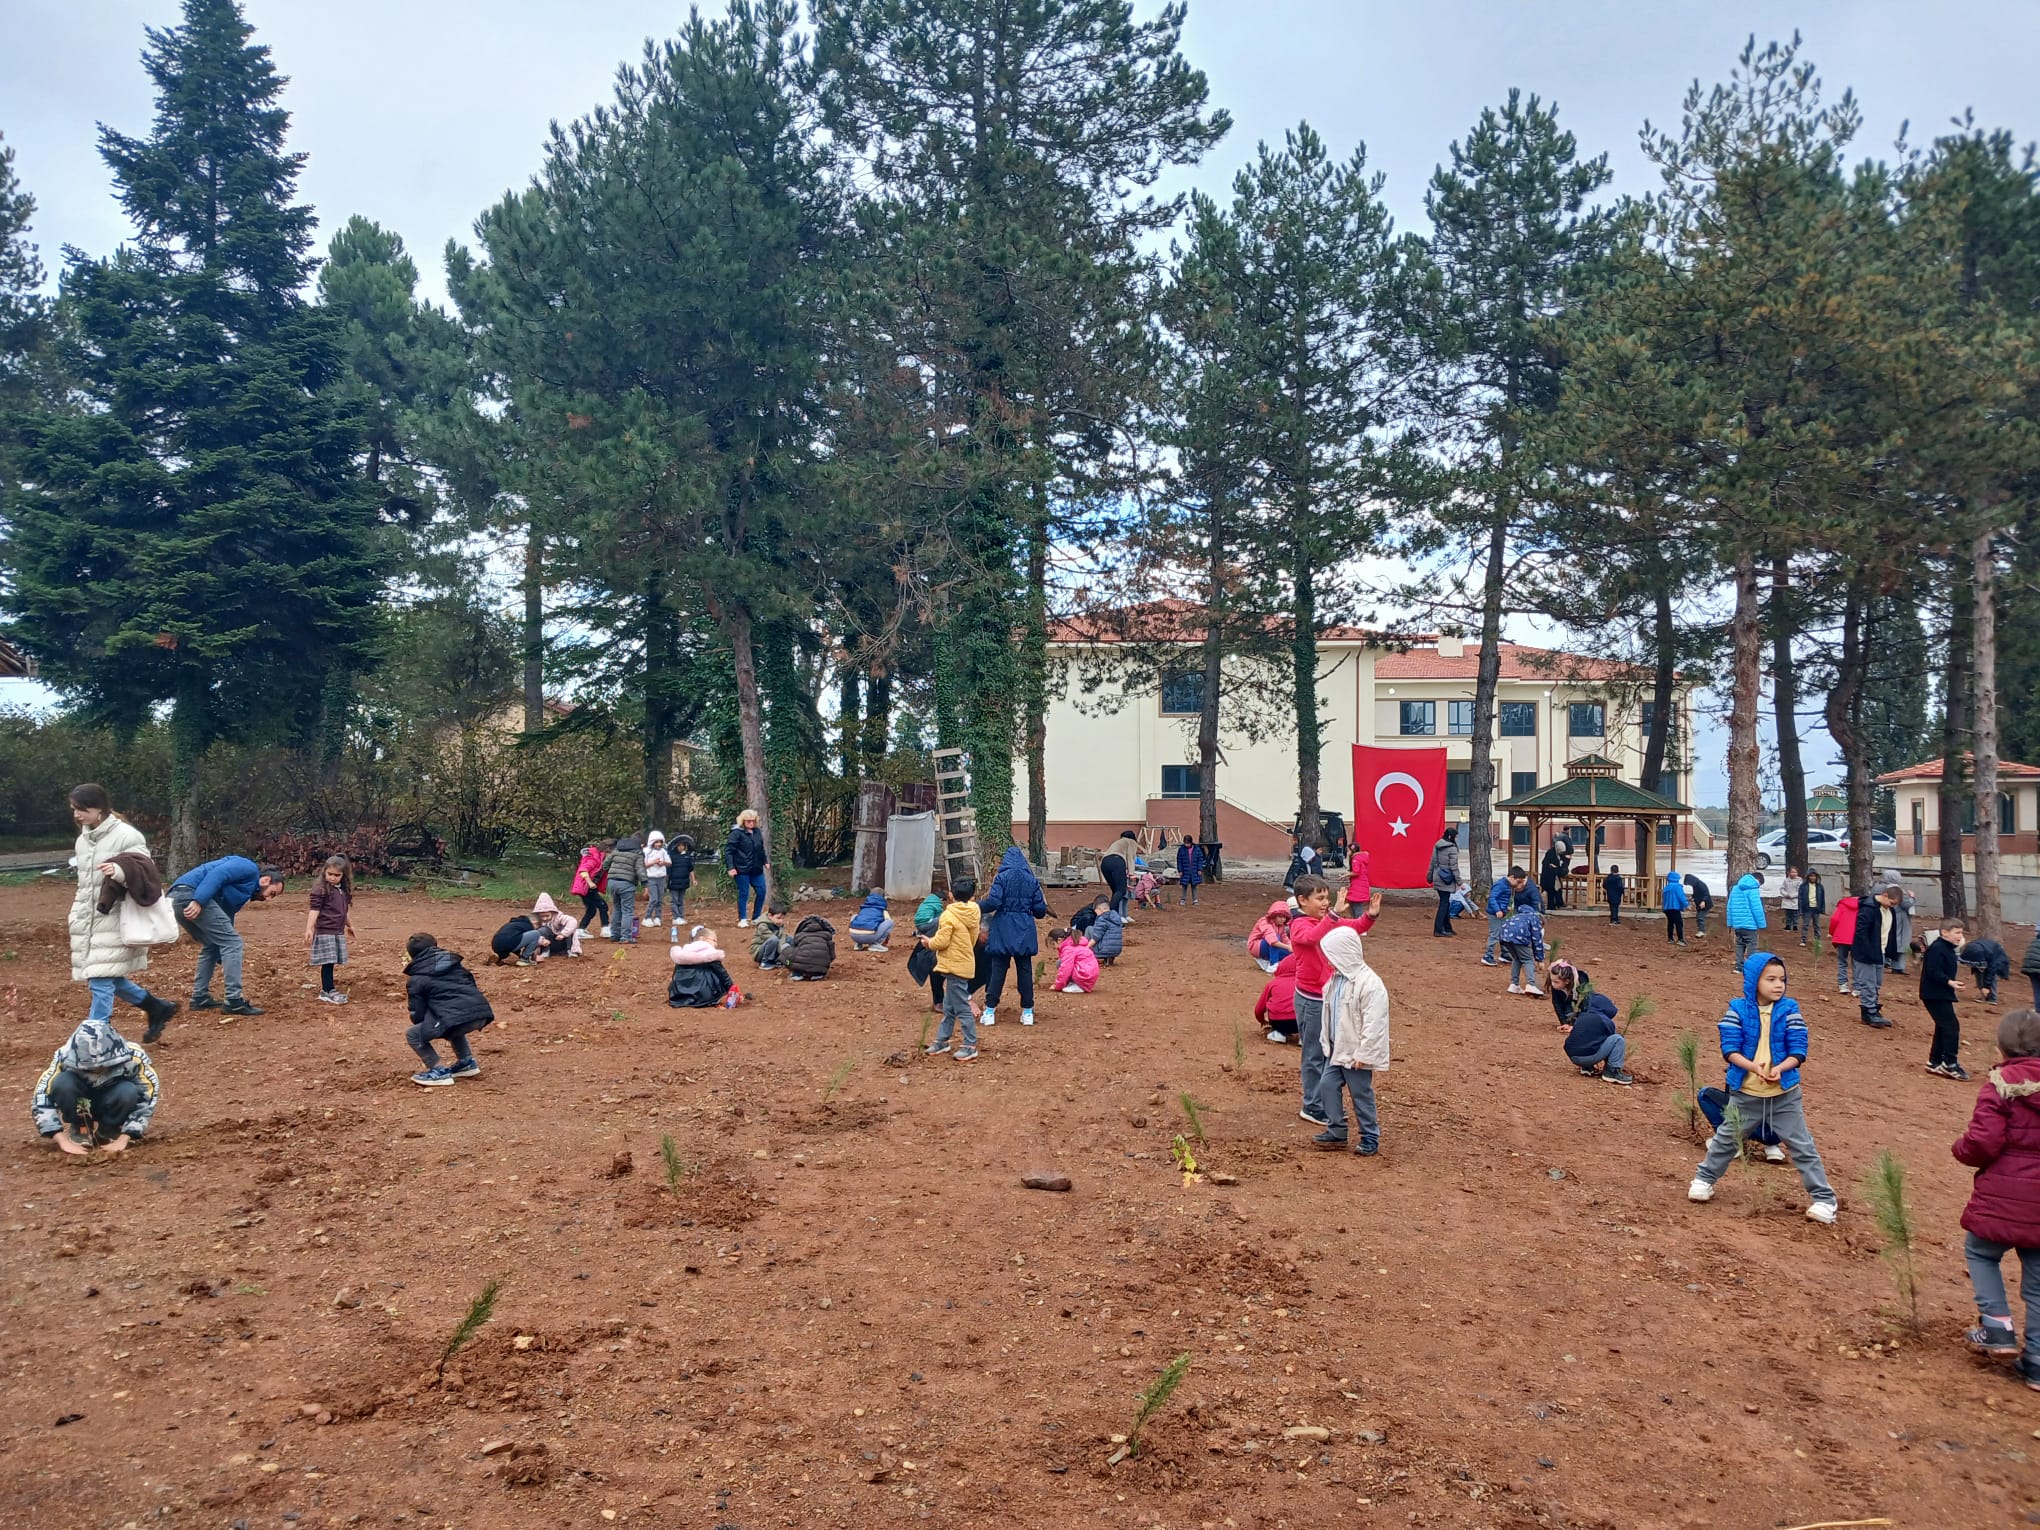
99	1089
445	1003
1276	1008
1764	1040
2003	1146
1076	964
871	926
1591	1039
700	980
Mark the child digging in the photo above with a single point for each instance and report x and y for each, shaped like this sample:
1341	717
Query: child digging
445	1003
1763	1038
99	1090
1076	964
329	925
2003	1145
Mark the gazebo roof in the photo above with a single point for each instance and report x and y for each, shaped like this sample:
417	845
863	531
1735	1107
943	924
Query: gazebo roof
1826	800
1608	796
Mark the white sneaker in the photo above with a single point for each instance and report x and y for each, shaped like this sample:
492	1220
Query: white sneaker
1515	988
1699	1190
1027	1015
1277	1037
1532	988
332	996
1774	1154
1068	988
651	924
1823	1212
603	933
742	924
879	949
989	1017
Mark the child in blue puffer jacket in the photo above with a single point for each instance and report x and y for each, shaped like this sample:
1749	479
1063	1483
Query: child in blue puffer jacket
1523	938
1501	902
871	924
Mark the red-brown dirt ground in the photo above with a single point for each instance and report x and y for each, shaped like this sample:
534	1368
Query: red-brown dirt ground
851	1313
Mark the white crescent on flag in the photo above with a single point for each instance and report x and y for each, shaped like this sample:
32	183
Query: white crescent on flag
1399	826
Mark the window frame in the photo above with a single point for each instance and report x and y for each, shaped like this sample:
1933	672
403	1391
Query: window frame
1452	711
1195	777
1502	708
1463	798
1181	677
1402	717
1572	712
1516	786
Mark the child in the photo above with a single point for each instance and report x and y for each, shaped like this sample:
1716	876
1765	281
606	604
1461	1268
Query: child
625	870
1990	961
1189	869
1675	904
1355	1040
327	925
1938	987
1502	898
928	914
550	931
1763	1039
1107	933
1317	915
1812	903
1570	988
1268	941
1613	885
1746	913
1523	940
1276	1008
1145	891
679	874
810	950
1085	917
587	886
1076	965
445	1002
658	864
871	925
1842	935
1703	903
1876	943
99	1090
955	946
768	943
700	980
1788	898
1591	1039
2003	1145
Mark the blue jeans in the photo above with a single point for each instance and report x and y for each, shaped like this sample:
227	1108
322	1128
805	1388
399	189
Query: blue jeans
753	883
877	937
1310	1021
956	1016
622	910
1332	1089
1610	1052
219	944
1494	936
104	990
1987	1276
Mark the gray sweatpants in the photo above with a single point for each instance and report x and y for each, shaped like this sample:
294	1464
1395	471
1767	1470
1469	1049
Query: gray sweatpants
1745	945
1783	1114
1869	981
1310	1020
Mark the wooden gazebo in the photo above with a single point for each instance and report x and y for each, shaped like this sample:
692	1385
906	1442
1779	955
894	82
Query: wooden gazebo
1827	808
1592	793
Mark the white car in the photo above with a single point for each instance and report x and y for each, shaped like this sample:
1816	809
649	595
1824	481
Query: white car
1772	845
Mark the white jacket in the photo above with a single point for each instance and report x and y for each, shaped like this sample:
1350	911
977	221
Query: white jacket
96	947
1355	1032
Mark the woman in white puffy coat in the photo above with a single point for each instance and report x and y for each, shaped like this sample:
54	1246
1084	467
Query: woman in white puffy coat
100	959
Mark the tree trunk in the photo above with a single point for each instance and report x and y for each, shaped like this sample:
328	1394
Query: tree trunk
1745	799
658	722
1785	709
849	722
877	718
1844	723
1983	704
1214	673
187	749
1954	774
736	622
1034	677
534	631
1303	679
1664	686
1487	675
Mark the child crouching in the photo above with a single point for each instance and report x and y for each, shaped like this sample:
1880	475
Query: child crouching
2003	1145
99	1090
1076	964
445	1003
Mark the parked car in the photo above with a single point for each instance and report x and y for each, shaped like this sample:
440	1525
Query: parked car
1771	846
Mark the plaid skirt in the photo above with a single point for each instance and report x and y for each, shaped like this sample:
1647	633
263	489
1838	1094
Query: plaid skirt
329	948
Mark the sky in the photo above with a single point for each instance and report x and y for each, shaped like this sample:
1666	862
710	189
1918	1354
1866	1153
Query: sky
422	113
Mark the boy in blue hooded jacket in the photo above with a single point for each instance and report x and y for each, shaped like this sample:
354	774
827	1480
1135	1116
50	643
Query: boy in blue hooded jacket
1746	913
1763	1038
872	925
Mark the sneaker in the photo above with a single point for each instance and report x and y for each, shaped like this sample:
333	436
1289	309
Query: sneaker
1027	1015
1329	1139
1367	1149
989	1017
651	924
1277	1037
1618	1076
967	1054
603	933
1699	1190
1939	1070
1489	961
1955	1071
1877	1022
1682	945
878	950
1533	990
240	1007
432	1078
1515	988
1993	1338
1773	1153
203	1001
331	996
1590	1073
938	1048
525	961
1841	988
1823	1212
742	924
468	1068
1314	1120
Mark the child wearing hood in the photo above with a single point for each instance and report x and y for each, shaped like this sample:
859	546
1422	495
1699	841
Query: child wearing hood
871	925
1675	902
1764	1041
1146	890
1842	935
445	1001
1107	931
1588	1020
587	886
1268	941
550	930
1354	1036
1276	1008
1076	964
2003	1145
658	863
99	1090
625	869
1523	943
1502	897
1746	914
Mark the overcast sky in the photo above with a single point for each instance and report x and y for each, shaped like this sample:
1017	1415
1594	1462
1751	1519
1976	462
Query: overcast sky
421	113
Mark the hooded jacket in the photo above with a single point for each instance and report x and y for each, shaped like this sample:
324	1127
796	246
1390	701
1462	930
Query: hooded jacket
1872	944
99	1052
1563	999
1306	937
1746	903
1445	865
1266	930
744	852
1940	969
1525	927
1675	900
1076	963
1189	864
658	859
1742	1025
588	875
626	862
1108	934
1501	897
811	947
1592	1024
2003	1145
871	914
695	953
1355	1029
1013	903
928	914
1842	922
1990	960
1703	895
955	939
1359	877
1812	896
444	996
1277	1005
96	947
564	929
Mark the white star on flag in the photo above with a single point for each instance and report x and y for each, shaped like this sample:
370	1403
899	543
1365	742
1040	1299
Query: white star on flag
1397	826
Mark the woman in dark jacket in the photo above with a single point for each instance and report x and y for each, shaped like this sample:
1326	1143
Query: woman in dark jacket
744	858
1011	905
1557	863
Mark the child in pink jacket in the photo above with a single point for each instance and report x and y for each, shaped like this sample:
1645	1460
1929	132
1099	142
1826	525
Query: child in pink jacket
1076	966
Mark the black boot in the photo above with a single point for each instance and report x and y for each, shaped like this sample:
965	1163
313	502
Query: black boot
1877	1019
159	1012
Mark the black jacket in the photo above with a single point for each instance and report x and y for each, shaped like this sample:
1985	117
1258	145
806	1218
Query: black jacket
811	947
1592	1024
444	997
1940	969
1703	898
504	942
744	852
698	987
1871	945
1613	885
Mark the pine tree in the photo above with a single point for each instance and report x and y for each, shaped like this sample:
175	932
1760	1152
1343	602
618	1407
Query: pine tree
198	534
24	311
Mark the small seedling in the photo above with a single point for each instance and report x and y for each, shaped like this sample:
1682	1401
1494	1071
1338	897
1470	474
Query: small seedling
677	1168
1687	1048
842	1072
1239	1048
478	1313
616	1015
1193	1111
1179	1152
927	1019
1886	1190
1641	1008
1157	1395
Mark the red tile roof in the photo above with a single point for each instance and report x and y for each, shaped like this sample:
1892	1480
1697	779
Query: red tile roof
1518	663
1174	620
1930	770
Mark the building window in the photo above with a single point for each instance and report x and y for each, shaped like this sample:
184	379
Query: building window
1183	694
1668	784
1520	835
1522	781
1587	719
2007	815
1458	788
1664	832
1519	719
1179	781
1459	717
1419	717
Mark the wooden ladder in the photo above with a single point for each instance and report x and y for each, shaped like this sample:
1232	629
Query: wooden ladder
955	823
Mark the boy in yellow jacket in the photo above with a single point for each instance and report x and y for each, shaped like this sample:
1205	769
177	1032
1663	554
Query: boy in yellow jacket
955	946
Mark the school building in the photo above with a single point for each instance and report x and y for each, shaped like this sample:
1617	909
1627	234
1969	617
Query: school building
1121	756
1916	792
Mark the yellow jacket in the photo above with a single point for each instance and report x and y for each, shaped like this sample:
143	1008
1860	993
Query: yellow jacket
955	940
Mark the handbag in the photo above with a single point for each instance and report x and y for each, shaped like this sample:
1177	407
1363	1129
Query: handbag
155	925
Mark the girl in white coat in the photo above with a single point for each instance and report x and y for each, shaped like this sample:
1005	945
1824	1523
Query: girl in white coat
100	959
1355	1040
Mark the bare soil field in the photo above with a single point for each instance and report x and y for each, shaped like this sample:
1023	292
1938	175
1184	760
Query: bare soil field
844	1309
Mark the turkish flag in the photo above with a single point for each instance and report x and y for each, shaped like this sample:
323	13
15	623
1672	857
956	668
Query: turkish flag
1398	811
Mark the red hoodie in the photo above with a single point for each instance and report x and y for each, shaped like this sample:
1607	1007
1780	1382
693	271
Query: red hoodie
1312	970
1278	999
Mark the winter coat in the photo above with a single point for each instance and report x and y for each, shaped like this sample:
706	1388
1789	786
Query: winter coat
1556	863
1014	903
1788	891
588	875
1501	897
97	950
658	859
1444	873
2003	1145
1525	927
1563	999
1076	963
679	870
2029	964
1306	941
1812	897
1943	965
870	915
564	929
1277	1004
1359	877
955	939
229	881
1266	930
1743	1024
444	996
626	862
1901	925
509	936
698	985
1108	934
1592	1024
1675	899
1613	885
1190	864
1842	922
695	953
1988	959
744	852
1355	1030
811	947
1746	903
767	940
928	914
1703	896
1529	895
1871	945
100	1052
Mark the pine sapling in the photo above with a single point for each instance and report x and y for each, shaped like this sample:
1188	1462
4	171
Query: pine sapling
1193	1111
1886	1188
1687	1048
677	1168
1641	1008
478	1313
1157	1395
836	1078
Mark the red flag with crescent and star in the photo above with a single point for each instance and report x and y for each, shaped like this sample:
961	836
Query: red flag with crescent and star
1398	811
